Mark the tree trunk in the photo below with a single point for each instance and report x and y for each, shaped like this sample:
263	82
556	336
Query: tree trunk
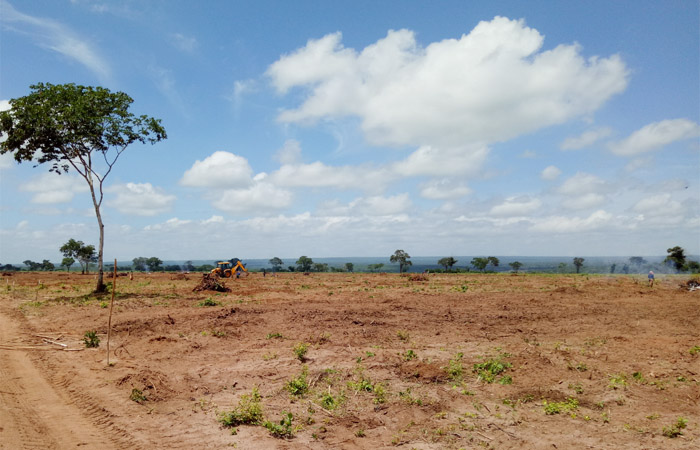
100	286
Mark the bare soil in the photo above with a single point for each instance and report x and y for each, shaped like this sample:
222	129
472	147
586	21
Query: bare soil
589	361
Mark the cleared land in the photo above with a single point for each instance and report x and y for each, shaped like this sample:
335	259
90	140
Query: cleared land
573	361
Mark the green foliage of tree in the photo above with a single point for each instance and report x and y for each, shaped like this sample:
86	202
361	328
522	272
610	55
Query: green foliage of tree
613	267
79	128
402	258
78	250
276	264
67	262
637	261
676	257
320	267
304	264
139	264
693	266
447	262
480	263
350	267
578	263
515	265
375	267
154	264
188	267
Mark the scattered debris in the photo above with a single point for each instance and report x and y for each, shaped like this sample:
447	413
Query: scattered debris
691	285
210	282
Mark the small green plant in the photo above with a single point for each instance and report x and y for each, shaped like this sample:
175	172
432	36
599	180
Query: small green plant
551	408
675	430
403	335
208	302
284	429
488	370
274	336
576	388
330	401
300	350
137	396
694	350
617	381
360	433
91	339
298	386
104	304
409	355
248	411
639	377
454	368
410	399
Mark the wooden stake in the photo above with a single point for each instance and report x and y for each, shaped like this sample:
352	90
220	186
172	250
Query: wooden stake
111	306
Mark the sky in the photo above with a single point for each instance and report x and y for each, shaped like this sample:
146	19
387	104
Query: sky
356	128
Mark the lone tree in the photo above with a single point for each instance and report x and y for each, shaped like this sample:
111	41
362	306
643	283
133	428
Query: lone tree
402	258
78	250
515	265
578	262
304	264
78	127
276	264
482	263
447	262
67	262
676	257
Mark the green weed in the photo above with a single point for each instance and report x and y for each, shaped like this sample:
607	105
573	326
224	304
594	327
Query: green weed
208	302
274	336
694	350
551	408
137	396
454	368
91	339
491	368
675	430
300	350
299	386
248	411
409	355
284	429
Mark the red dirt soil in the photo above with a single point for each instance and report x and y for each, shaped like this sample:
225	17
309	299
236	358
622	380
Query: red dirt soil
620	360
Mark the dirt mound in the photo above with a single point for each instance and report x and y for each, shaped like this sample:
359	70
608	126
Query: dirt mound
150	384
211	283
424	372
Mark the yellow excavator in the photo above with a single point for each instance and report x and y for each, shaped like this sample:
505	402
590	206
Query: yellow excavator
226	269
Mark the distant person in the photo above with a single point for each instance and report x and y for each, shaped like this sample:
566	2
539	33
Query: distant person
651	278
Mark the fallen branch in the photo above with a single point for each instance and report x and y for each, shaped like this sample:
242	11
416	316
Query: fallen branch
49	341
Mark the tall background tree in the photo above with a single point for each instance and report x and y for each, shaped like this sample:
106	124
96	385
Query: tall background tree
85	129
676	257
67	262
85	254
578	263
402	258
515	265
304	264
447	262
276	264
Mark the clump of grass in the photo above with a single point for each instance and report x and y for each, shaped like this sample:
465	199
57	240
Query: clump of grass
403	335
91	339
675	430
551	408
330	401
694	350
283	429
489	370
300	350
617	381
299	386
454	368
208	302
274	336
248	411
137	396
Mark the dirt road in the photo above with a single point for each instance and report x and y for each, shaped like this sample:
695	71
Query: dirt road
33	415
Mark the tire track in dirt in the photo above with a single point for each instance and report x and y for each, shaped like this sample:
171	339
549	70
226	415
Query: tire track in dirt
33	414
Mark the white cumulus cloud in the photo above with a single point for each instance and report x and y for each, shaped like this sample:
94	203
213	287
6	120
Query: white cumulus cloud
259	198
219	170
656	135
490	85
53	188
140	199
550	173
516	206
586	139
561	224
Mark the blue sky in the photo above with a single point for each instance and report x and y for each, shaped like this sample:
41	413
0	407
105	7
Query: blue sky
357	128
